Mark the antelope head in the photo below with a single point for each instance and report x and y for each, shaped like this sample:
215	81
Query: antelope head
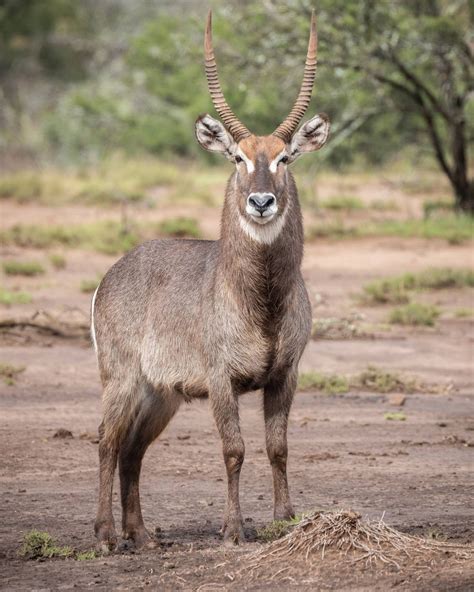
261	178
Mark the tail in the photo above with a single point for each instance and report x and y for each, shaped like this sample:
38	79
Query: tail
93	337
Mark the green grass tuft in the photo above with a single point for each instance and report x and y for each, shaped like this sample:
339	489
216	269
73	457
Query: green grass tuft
57	261
109	236
395	416
89	286
336	230
332	384
455	228
464	313
104	237
277	529
380	381
41	545
114	181
372	379
396	290
22	187
9	372
8	298
26	268
444	277
415	314
388	291
343	202
179	227
87	555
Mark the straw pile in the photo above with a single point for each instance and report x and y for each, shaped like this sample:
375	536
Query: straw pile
320	533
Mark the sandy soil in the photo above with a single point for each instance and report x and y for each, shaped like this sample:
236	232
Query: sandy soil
343	453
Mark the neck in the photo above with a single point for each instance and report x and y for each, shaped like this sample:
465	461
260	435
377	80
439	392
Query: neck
261	264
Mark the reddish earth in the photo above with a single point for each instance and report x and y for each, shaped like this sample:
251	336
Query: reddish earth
343	453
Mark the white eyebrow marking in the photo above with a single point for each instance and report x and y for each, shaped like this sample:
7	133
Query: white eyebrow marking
246	159
274	164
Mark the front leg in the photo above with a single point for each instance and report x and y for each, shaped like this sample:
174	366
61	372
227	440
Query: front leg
226	414
277	399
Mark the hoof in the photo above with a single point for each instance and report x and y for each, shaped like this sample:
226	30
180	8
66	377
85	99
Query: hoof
233	534
106	539
139	539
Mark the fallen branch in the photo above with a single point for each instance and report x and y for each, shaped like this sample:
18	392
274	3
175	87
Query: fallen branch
45	322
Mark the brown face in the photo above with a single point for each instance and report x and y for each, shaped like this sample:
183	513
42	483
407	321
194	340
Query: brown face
261	162
261	179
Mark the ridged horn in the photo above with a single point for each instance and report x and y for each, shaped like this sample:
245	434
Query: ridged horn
230	120
286	130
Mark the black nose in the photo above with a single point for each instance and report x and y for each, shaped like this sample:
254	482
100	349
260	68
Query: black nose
261	201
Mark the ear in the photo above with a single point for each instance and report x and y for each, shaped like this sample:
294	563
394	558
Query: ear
213	136
311	136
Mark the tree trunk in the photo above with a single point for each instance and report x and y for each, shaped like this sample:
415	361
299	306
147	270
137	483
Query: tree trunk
462	185
464	194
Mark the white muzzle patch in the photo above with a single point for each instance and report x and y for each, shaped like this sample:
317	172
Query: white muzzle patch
261	207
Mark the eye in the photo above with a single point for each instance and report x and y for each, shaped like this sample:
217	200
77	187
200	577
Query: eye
238	159
283	159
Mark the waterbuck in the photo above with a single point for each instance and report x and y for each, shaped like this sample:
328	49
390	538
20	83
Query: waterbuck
174	320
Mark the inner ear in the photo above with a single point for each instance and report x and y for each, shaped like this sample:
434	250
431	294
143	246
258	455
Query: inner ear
311	136
213	136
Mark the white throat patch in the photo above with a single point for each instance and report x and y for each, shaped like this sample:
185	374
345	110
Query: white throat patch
264	233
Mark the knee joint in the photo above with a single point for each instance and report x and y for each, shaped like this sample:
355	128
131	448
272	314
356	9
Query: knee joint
234	458
278	455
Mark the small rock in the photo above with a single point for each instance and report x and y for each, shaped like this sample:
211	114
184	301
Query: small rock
185	437
63	434
397	399
260	497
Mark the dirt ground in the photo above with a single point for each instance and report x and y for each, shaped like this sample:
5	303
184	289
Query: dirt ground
343	453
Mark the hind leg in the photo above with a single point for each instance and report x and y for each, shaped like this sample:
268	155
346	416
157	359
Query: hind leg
154	414
104	524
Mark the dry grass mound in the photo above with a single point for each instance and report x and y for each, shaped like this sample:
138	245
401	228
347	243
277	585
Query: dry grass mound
344	532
